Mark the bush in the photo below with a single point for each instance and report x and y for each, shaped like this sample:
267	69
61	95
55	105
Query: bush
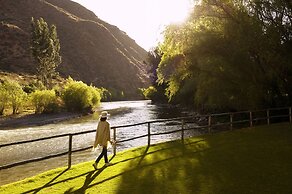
11	94
114	94
78	96
3	99
33	86
44	101
149	92
105	94
30	88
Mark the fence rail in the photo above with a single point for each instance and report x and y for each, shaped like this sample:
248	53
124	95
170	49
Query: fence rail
210	122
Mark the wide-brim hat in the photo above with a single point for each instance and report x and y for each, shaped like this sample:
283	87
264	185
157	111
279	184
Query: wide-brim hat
104	114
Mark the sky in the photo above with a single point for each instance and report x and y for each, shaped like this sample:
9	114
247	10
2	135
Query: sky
142	20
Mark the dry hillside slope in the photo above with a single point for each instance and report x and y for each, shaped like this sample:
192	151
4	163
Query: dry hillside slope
92	50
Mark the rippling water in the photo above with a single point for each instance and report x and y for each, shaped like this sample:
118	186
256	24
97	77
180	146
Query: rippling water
122	113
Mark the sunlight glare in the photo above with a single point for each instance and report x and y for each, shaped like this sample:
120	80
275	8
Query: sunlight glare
142	20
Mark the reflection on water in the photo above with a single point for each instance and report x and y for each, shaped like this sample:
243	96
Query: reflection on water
122	113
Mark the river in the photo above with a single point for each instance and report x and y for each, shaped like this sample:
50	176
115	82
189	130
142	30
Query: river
122	113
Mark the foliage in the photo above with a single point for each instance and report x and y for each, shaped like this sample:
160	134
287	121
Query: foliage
230	55
45	48
149	92
29	88
257	160
78	96
3	98
114	94
44	101
105	94
16	95
11	94
156	92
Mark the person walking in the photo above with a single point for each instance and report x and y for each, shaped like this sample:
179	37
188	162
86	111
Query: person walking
102	138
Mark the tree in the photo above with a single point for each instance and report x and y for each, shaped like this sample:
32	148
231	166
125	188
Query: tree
3	98
11	94
16	95
230	55
45	47
44	100
78	96
156	92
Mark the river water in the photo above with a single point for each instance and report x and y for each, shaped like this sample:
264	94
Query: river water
122	113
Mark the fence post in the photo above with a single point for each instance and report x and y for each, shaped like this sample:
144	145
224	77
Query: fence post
182	130
70	150
231	121
115	141
149	134
250	119
209	124
290	116
268	116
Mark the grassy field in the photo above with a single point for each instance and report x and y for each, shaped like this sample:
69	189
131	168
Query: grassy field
251	160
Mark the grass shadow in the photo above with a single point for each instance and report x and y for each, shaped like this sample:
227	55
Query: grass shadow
89	178
48	183
163	167
143	155
52	183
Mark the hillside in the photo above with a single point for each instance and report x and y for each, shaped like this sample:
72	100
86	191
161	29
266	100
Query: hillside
92	50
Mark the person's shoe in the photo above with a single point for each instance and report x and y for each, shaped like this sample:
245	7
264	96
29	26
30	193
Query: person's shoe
108	164
95	165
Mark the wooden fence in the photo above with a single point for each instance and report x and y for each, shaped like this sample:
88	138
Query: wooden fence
211	123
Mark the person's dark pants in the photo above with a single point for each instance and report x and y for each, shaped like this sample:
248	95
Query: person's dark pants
102	154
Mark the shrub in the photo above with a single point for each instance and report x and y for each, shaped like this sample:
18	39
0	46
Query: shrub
44	101
78	96
33	86
149	92
105	94
3	99
11	94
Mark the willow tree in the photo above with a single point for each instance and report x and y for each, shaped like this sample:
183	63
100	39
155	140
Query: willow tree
230	55
45	47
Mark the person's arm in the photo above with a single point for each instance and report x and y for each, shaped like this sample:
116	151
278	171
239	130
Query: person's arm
109	134
96	136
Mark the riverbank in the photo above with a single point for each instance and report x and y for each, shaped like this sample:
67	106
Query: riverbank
29	120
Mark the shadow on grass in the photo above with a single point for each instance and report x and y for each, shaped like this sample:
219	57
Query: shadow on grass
49	183
136	164
90	176
245	161
52	183
157	171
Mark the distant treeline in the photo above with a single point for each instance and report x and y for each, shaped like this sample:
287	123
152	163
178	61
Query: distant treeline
228	55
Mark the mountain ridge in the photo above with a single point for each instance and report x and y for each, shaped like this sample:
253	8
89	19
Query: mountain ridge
92	50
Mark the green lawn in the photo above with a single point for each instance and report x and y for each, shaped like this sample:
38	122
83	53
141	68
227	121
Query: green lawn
252	160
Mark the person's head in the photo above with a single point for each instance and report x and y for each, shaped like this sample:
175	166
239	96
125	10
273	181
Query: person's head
102	118
104	115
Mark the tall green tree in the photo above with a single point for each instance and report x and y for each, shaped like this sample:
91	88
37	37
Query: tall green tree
230	55
45	47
